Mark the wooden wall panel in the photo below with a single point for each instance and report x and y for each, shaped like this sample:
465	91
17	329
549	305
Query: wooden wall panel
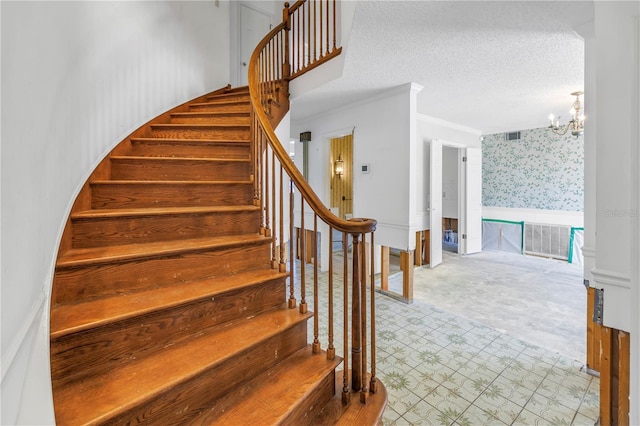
605	377
623	364
342	186
384	268
406	264
423	248
593	334
419	245
614	377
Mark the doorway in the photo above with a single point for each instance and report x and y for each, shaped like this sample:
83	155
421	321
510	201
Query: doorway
342	175
460	195
254	25
450	198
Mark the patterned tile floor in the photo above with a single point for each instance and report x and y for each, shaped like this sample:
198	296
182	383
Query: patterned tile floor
442	369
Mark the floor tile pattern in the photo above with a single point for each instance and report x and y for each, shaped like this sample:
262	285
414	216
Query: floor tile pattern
442	369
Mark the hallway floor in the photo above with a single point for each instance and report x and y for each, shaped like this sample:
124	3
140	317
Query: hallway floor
542	301
446	361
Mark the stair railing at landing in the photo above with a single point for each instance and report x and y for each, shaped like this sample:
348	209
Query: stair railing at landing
304	40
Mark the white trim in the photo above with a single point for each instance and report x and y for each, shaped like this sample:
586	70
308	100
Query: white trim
20	338
345	131
433	120
551	217
588	251
393	226
610	278
634	368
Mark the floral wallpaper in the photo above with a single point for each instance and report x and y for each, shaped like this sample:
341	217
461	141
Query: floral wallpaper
542	170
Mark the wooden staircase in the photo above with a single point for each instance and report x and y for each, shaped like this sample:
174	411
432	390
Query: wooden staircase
165	307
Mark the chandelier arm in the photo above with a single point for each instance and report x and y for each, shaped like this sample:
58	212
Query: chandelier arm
561	130
577	122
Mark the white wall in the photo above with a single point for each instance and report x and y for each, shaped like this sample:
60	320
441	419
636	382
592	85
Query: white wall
77	77
393	139
382	140
546	217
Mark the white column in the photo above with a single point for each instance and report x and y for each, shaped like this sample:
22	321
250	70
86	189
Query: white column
587	31
615	57
634	415
617	179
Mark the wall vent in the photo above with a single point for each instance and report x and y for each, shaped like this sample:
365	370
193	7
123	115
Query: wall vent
547	240
512	136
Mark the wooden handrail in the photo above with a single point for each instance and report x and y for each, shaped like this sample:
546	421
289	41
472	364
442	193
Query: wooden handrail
352	226
304	40
277	59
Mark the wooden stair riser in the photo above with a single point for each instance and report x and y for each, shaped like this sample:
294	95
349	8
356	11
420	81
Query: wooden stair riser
186	131
237	118
308	371
178	404
98	232
309	407
73	284
115	195
156	169
190	148
96	351
240	106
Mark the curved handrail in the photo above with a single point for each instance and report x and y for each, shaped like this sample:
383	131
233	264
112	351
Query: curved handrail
352	226
270	71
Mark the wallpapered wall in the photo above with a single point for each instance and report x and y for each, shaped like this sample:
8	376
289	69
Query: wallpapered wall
542	170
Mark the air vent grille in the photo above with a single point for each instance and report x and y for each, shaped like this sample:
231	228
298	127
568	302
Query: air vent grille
547	240
512	136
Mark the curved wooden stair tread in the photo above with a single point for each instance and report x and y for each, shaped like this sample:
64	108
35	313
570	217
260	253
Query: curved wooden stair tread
169	182
82	316
241	91
199	126
292	380
112	393
179	159
220	101
212	114
159	211
122	253
194	141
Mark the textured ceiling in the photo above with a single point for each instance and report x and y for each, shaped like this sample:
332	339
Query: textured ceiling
492	66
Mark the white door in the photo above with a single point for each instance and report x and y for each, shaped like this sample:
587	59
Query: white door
254	25
435	203
473	201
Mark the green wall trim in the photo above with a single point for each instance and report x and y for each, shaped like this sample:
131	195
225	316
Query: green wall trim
503	221
573	234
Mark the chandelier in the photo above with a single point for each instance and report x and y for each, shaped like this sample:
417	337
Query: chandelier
577	119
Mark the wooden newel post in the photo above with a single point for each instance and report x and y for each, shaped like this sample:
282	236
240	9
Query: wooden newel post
286	19
356	323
